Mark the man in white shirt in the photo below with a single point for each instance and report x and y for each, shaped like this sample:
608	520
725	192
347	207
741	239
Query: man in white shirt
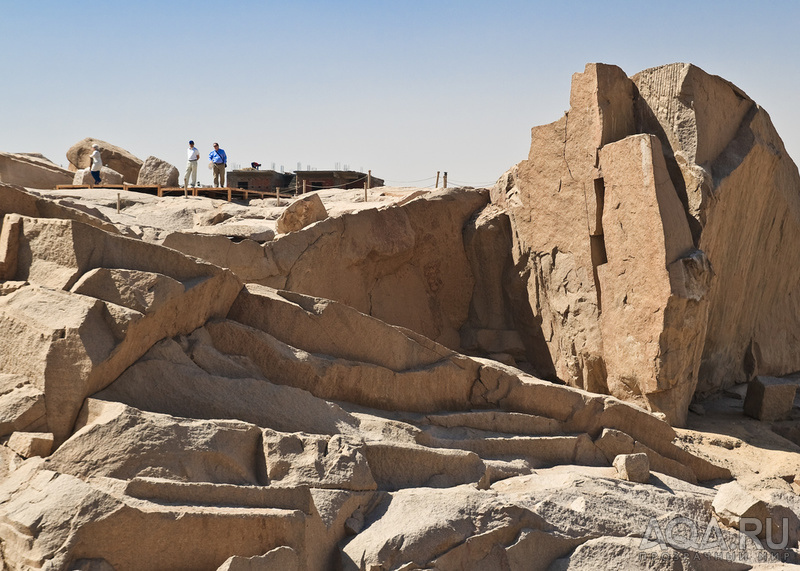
97	163
191	166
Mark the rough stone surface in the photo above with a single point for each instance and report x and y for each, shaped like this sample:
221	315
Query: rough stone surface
79	343
402	264
732	503
722	143
19	201
769	398
284	558
192	422
157	172
627	220
633	467
114	157
31	171
28	444
300	213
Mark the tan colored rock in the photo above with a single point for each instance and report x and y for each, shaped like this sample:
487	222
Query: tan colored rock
653	308
246	258
404	265
732	503
614	443
57	339
22	405
723	144
114	157
168	386
239	230
492	325
155	171
28	444
19	201
519	523
145	292
443	385
583	412
31	171
56	519
80	344
168	489
633	467
284	558
769	398
316	461
300	213
83	177
316	325
117	441
555	221
632	250
395	466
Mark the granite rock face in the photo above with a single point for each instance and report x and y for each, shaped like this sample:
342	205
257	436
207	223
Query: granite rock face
155	171
345	396
628	217
160	414
32	171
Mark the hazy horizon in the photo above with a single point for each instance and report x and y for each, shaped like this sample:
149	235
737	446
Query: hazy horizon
404	90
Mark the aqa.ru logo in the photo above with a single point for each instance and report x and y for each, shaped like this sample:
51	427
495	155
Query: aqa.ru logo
683	533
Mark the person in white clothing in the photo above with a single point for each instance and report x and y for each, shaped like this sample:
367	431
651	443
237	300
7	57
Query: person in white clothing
191	166
97	163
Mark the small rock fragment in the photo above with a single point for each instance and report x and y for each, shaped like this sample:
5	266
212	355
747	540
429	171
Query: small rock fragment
633	467
28	444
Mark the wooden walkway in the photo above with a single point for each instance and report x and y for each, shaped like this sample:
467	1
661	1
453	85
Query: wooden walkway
158	190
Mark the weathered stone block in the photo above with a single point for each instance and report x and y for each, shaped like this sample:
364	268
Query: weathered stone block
769	398
157	171
633	467
28	444
732	503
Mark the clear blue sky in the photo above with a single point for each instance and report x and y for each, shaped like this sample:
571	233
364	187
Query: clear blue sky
402	88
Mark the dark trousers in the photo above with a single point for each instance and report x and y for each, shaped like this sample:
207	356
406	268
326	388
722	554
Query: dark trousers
96	176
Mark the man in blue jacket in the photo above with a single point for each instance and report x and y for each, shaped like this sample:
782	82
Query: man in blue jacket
220	162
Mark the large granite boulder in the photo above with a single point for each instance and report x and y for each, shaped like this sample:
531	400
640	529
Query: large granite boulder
405	265
650	262
32	171
155	171
114	157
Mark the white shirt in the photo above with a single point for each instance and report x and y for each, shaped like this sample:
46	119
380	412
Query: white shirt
97	162
194	154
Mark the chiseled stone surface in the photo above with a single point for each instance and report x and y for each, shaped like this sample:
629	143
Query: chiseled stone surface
635	225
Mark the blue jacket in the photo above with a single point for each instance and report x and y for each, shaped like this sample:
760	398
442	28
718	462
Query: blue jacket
218	157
